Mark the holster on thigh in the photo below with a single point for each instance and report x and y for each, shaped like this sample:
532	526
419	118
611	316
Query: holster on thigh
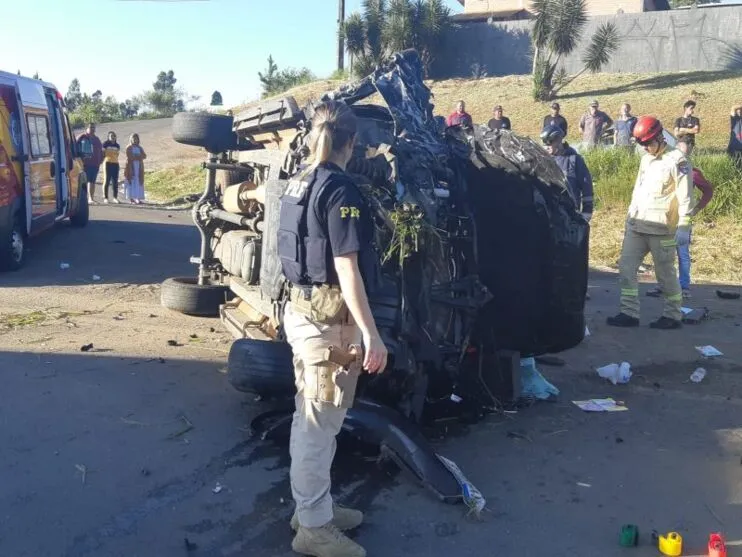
325	381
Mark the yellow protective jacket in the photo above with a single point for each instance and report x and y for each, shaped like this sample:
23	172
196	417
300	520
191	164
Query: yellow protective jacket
663	194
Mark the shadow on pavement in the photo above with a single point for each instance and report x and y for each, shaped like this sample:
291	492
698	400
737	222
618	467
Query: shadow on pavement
122	456
117	251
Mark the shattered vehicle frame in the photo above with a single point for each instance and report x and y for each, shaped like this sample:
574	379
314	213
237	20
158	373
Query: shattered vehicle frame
483	253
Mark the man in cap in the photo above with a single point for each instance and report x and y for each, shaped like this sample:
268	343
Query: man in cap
556	119
593	123
499	122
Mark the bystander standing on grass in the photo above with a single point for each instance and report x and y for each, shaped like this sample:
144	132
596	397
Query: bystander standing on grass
593	123
687	127
623	126
735	136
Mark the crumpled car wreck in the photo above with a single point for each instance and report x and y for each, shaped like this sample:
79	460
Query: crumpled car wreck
484	258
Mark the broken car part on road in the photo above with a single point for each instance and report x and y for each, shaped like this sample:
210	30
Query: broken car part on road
484	257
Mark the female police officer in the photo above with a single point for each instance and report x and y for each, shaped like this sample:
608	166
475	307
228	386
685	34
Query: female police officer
325	244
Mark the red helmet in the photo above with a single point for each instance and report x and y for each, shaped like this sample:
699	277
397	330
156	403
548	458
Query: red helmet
647	129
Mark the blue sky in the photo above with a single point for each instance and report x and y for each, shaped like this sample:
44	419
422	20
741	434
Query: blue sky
119	46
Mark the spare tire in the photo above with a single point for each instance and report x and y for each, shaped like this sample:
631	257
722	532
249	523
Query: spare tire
213	132
261	367
185	295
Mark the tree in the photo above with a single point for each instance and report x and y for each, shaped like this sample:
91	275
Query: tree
216	99
557	29
165	82
73	98
275	81
383	28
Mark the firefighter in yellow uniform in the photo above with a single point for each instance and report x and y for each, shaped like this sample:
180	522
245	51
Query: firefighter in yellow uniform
658	221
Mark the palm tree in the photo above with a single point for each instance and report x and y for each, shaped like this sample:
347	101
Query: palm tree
383	28
557	30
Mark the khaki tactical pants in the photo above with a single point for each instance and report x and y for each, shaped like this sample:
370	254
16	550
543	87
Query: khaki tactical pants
317	420
636	245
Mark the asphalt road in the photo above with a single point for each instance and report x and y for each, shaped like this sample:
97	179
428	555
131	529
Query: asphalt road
114	452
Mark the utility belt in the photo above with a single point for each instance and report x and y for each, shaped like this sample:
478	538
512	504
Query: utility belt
322	303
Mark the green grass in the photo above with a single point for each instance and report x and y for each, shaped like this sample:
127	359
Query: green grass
173	184
614	173
717	233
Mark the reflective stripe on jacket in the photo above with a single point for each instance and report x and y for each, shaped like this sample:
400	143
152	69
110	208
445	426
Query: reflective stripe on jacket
662	197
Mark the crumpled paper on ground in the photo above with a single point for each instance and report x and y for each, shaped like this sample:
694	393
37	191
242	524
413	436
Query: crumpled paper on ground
533	383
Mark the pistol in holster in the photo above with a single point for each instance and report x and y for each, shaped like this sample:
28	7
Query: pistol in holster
346	378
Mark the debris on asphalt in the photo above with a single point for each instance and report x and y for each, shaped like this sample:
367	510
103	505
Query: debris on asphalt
96	277
695	316
189	545
218	488
709	351
83	470
86	347
587	331
727	295
600	405
158	360
616	373
581	484
64	266
145	472
671	544
629	536
698	375
188	427
173	343
619	439
135	254
473	498
533	384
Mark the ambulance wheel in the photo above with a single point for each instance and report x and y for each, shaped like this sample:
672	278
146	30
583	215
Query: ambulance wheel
185	295
213	132
261	367
12	246
81	217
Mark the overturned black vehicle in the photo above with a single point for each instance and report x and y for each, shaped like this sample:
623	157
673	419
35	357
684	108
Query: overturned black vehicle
483	252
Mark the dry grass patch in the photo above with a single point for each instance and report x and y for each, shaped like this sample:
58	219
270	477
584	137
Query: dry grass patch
715	251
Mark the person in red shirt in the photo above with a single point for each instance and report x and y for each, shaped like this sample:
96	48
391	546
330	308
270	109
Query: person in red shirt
460	117
707	192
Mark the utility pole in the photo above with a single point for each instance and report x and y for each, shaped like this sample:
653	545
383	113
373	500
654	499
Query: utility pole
341	42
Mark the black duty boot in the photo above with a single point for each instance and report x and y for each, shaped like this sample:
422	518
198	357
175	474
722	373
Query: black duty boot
622	320
665	323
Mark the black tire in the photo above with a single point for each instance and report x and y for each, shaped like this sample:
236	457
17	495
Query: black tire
261	367
12	245
82	216
185	295
213	132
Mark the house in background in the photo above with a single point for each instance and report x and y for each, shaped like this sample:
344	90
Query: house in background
509	10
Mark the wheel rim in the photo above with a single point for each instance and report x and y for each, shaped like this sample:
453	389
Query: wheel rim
16	245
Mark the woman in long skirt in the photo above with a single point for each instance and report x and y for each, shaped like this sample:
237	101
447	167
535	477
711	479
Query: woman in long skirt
134	173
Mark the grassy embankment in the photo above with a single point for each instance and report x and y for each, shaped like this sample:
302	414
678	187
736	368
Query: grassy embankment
718	232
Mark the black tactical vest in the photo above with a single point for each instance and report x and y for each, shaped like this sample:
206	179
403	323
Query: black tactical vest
303	258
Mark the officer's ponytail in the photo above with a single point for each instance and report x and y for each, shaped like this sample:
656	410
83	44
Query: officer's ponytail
333	126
